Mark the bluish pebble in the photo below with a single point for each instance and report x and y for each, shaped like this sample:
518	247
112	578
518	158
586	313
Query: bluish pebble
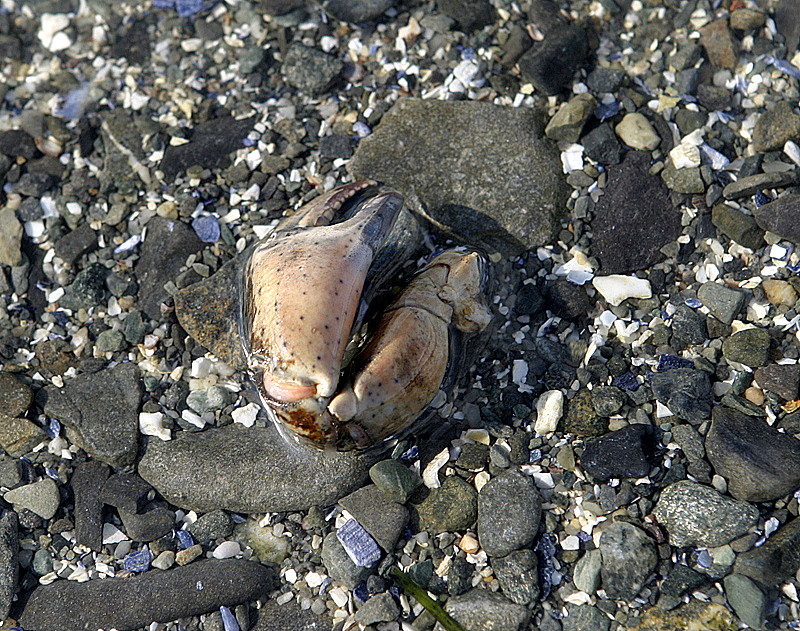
361	129
52	473
163	4
228	619
61	318
207	229
606	110
138	561
468	54
410	455
693	303
534	456
704	559
185	539
358	543
54	428
188	7
668	362
626	381
762	198
361	592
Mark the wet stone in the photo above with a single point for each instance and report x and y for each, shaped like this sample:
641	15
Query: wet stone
469	14
87	482
568	300
686	180
550	64
782	217
248	470
624	453
759	462
581	419
209	400
336	146
723	302
752	184
504	150
152	523
89	287
125	491
100	412
721	46
384	520
782	379
737	226
459	576
686	392
680	580
453	506
483	609
634	218
15	396
509	511
136	602
356	12
694	514
688	328
10	238
567	123
309	69
690	441
749	347
629	557
776	560
517	574
287	617
775	127
602	145
580	617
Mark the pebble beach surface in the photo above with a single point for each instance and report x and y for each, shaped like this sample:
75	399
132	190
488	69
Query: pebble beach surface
622	454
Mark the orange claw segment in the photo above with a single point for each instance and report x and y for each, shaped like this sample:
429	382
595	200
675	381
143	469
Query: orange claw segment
287	391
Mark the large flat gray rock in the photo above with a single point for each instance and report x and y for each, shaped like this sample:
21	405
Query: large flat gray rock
485	172
248	470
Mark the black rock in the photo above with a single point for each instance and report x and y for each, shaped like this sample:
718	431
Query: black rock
132	603
356	11
164	251
459	576
310	70
248	470
209	146
100	412
568	300
336	146
634	218
530	300
74	244
680	580
605	79
760	463
775	561
550	64
87	483
782	379
89	287
787	21
584	617
624	453
688	328
686	392
602	145
126	491
133	42
152	523
16	143
782	217
469	14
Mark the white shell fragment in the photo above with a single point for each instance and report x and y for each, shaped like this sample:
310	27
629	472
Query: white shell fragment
245	415
151	424
549	408
617	287
430	476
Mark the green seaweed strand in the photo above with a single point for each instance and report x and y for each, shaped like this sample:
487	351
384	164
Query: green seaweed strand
421	596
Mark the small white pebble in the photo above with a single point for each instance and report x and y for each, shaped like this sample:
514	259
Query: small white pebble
430	476
245	415
616	288
151	424
549	408
226	550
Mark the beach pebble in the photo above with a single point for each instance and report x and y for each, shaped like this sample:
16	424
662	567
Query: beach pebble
42	498
451	507
549	408
748	346
226	550
629	556
781	217
383	519
517	574
747	600
723	302
379	608
782	379
9	561
694	514
339	564
396	481
637	132
774	561
481	609
509	510
87	484
619	454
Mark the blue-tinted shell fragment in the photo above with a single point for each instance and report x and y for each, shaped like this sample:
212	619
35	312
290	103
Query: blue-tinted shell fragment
185	539
358	543
228	619
207	229
626	381
138	561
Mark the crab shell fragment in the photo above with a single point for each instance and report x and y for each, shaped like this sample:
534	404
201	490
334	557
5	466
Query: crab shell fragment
305	300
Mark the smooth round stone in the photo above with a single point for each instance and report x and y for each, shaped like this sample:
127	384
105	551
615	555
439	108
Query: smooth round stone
694	514
509	510
587	571
780	293
227	550
453	506
568	121
110	341
208	400
629	557
216	524
749	347
164	561
747	600
637	132
42	562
